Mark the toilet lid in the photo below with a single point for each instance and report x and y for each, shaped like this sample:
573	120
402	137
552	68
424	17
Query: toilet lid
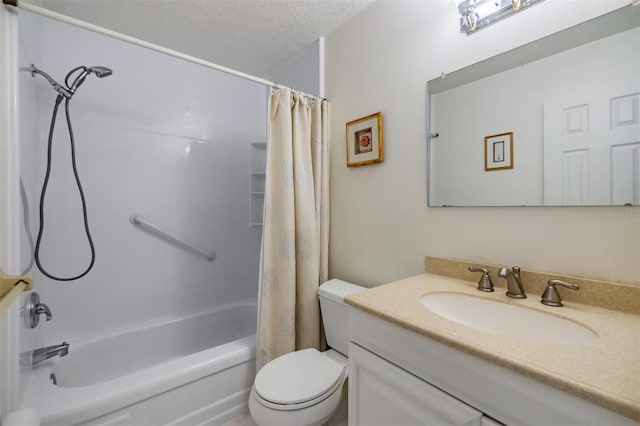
298	377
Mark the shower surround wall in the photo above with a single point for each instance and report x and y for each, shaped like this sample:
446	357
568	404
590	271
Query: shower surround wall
162	138
21	46
29	125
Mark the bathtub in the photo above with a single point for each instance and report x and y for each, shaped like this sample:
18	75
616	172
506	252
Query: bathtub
192	370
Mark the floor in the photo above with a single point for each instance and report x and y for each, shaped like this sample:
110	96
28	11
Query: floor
246	420
340	418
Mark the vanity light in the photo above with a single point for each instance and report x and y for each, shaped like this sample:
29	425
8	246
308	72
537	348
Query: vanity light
477	14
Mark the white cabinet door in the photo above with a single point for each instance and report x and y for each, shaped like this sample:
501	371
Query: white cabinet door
382	394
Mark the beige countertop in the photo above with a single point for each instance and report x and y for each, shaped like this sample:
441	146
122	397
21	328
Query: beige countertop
605	372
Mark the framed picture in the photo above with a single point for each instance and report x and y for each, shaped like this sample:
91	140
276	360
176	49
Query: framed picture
364	140
498	152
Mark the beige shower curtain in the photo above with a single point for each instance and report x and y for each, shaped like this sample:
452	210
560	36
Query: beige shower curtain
295	240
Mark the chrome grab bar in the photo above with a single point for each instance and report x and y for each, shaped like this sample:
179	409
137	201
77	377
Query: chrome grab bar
139	221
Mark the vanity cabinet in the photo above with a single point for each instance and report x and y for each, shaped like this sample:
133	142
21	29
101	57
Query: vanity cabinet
398	377
381	393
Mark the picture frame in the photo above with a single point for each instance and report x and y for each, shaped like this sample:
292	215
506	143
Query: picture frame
364	140
498	152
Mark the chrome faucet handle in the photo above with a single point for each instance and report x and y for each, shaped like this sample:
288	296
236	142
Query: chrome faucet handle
485	283
41	308
33	309
551	297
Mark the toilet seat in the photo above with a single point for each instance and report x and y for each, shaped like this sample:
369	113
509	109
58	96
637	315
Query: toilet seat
298	380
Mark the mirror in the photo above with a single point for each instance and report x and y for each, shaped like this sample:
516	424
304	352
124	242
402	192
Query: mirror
551	123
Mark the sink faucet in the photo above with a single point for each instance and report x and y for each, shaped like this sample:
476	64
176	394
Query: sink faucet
42	354
485	283
551	297
514	282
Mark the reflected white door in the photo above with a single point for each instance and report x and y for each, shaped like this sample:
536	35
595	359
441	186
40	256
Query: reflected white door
592	148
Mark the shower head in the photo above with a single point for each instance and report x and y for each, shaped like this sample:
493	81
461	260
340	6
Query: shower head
99	72
68	92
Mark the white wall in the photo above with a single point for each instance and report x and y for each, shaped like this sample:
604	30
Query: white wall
162	138
381	225
303	71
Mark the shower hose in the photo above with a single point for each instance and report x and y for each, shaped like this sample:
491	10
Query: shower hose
44	191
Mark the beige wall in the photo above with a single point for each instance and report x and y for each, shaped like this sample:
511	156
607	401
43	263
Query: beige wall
381	225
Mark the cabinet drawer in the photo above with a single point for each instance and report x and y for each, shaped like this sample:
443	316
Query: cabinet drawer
381	393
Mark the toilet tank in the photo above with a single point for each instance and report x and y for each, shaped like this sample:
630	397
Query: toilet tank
335	313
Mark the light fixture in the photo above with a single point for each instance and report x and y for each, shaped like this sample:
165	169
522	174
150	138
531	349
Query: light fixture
478	14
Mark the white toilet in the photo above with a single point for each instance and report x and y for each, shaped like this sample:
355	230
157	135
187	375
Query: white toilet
307	386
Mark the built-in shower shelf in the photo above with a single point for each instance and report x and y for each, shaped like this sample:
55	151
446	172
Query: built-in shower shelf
258	175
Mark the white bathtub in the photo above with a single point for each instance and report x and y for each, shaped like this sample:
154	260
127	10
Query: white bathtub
192	370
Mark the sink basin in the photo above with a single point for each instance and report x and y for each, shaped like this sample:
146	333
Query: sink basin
506	319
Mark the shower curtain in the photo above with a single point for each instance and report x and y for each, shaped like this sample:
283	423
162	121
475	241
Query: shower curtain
295	241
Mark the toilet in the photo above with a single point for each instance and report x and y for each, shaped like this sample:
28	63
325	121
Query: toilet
306	387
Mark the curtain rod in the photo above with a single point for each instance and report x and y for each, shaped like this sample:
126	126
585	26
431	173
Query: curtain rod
123	37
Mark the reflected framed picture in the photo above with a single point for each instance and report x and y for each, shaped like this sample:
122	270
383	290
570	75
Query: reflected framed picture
364	140
498	152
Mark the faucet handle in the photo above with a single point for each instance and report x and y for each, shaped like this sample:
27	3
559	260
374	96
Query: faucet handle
485	283
551	297
41	308
33	309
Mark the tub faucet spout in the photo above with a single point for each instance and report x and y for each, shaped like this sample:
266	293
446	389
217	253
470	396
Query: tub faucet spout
42	354
514	282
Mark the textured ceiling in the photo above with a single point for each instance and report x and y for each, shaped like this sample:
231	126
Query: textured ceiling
254	36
